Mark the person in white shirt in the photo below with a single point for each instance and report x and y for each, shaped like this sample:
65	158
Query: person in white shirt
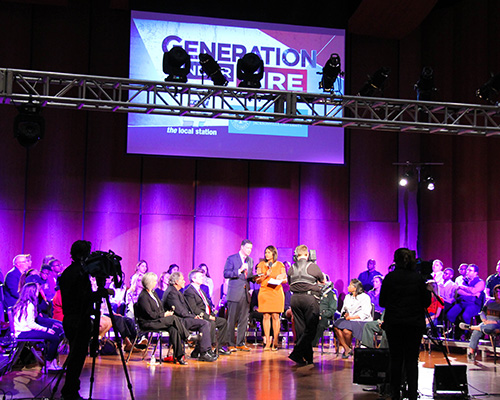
357	308
26	327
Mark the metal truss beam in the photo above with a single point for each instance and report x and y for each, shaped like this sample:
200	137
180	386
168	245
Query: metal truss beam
101	93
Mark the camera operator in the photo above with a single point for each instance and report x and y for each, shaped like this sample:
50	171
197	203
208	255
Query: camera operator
303	277
77	303
405	297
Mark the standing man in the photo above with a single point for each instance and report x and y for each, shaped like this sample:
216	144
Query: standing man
238	270
366	277
304	277
21	262
77	304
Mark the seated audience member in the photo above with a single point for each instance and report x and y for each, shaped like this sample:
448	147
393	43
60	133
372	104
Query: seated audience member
357	308
117	300
372	328
26	327
437	271
437	304
162	284
366	277
173	268
447	289
492	281
47	282
57	311
132	294
207	281
462	270
21	262
327	308
491	323
201	305
140	269
56	267
375	295
174	300
32	276
391	267
150	314
469	296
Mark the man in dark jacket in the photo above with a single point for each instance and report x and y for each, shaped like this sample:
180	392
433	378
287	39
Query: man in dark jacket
174	300
405	297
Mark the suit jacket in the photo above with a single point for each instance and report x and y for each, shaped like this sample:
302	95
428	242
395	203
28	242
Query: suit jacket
238	285
146	309
11	286
196	303
173	299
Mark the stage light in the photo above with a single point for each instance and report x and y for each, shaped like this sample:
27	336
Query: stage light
250	70
29	125
210	67
425	85
405	179
489	91
176	64
375	83
429	183
330	73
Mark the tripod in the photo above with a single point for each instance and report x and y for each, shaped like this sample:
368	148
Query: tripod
94	343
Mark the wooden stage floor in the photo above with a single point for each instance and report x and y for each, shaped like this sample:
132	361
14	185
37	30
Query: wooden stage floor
252	375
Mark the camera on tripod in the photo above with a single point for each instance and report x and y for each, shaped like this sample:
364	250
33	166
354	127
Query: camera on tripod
102	265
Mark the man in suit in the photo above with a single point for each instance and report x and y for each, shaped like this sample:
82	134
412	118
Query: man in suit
238	271
174	300
201	304
21	262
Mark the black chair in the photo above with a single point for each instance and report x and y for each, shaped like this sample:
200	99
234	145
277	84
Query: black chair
20	344
149	333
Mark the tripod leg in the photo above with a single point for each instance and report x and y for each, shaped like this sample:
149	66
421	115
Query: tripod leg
120	350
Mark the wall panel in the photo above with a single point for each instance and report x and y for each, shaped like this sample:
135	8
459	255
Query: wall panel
52	232
118	232
215	239
376	240
11	237
274	190
469	244
373	178
222	188
323	192
165	240
168	186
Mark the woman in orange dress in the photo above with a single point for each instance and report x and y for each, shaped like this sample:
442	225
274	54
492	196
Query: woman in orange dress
271	274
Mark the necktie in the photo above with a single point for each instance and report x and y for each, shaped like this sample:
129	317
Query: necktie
207	306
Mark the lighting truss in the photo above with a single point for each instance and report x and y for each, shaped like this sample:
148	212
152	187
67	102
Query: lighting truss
101	93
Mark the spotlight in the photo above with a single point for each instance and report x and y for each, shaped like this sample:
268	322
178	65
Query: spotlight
425	85
429	182
489	91
176	64
210	67
330	73
250	70
29	125
405	179
375	83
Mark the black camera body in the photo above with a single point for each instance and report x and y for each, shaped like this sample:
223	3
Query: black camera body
102	265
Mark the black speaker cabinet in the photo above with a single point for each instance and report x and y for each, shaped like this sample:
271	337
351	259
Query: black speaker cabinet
371	366
450	381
